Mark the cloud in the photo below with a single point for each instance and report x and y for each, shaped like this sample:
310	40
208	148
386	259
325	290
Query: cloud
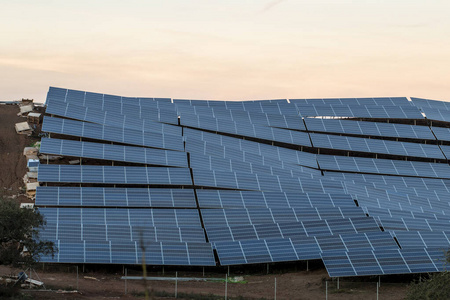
271	5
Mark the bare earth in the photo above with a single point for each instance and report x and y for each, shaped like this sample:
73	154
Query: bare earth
293	285
308	285
13	164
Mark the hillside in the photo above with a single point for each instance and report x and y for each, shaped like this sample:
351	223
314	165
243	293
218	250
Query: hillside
291	285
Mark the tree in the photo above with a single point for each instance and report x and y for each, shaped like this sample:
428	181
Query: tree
19	231
436	287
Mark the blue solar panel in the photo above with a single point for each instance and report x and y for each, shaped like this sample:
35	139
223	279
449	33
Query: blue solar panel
141	155
244	176
114	197
112	134
160	253
114	174
376	146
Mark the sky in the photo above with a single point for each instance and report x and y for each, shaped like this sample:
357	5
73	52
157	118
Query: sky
226	50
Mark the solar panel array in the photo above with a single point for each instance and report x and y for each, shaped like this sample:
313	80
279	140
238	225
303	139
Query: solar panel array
352	182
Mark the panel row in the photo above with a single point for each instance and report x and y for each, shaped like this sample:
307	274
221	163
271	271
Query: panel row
359	111
326	232
123	216
114	197
147	119
384	166
427	103
87	97
289	119
299	248
369	128
234	148
263	182
75	104
249	199
276	106
156	253
149	156
120	233
369	262
314	220
369	101
376	146
246	129
252	164
112	134
114	175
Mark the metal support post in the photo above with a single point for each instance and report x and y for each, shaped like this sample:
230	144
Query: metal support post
378	287
226	286
126	286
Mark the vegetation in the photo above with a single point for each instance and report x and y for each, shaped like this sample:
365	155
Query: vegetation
436	287
19	232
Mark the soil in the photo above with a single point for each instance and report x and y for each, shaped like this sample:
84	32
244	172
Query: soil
308	285
13	164
61	281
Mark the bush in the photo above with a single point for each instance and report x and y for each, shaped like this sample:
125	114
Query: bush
434	288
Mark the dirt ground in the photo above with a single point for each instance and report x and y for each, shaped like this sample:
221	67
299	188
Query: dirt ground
109	285
13	164
308	285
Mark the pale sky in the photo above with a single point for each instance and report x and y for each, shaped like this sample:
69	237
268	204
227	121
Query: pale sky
226	50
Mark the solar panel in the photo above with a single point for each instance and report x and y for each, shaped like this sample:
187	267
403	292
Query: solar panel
114	197
113	152
376	146
245	177
112	134
162	253
377	129
114	174
383	166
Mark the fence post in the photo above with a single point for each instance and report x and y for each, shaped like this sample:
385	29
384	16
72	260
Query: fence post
77	277
338	283
326	290
226	286
176	284
378	287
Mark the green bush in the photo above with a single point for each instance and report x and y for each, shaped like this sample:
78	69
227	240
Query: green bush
434	288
